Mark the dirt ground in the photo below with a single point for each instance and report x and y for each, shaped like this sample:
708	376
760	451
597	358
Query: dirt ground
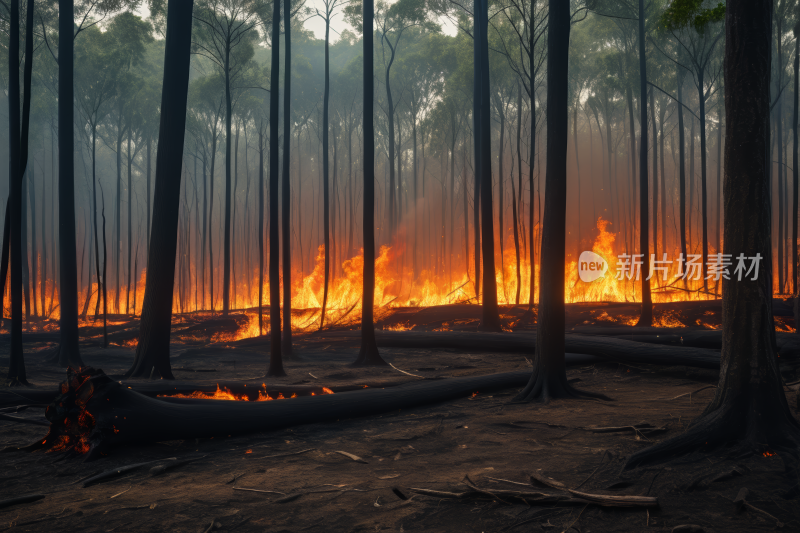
484	436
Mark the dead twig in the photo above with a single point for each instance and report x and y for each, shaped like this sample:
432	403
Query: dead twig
603	500
404	372
353	457
260	490
286	454
108	474
120	493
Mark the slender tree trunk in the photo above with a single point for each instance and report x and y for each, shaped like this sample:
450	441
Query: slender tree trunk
490	319
34	249
152	351
655	174
646	318
549	378
130	223
100	284
276	356
682	170
286	208
325	163
149	165
105	273
368	355
16	368
233	215
260	229
795	169
703	172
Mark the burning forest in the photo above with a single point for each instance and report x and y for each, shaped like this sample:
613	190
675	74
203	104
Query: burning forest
400	265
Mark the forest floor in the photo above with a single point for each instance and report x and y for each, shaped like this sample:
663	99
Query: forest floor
483	436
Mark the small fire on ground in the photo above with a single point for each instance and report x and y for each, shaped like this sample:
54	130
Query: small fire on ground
226	394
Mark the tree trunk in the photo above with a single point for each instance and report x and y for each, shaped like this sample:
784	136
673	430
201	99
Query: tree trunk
130	222
100	284
703	173
16	367
749	407
34	249
655	173
490	317
152	351
286	208
260	229
682	170
549	377
325	170
646	318
795	169
226	260
276	356
368	355
147	206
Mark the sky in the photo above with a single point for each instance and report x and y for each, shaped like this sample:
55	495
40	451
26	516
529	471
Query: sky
317	25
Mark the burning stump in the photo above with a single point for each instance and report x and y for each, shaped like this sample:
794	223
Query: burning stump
94	413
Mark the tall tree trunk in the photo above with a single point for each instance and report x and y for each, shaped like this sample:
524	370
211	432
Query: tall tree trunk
233	214
795	164
130	223
16	368
69	353
646	318
152	351
260	229
749	407
34	249
703	172
147	205
490	318
276	356
325	170
286	208
368	355
655	173
100	284
105	272
682	170
578	169
549	377
118	211
26	289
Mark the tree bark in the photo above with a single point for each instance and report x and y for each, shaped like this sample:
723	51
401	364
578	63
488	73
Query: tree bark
549	378
368	355
682	170
152	351
286	208
276	356
750	407
646	317
490	319
326	231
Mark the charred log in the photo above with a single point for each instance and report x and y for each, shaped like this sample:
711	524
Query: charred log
93	413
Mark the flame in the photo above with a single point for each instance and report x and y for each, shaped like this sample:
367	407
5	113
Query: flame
226	394
397	284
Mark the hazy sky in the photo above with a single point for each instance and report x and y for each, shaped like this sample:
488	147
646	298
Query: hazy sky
317	25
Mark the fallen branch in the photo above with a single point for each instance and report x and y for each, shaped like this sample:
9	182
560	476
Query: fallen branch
260	490
286	454
21	499
353	457
599	499
108	474
160	469
741	503
406	373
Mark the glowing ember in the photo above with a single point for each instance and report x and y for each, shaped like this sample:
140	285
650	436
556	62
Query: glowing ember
768	453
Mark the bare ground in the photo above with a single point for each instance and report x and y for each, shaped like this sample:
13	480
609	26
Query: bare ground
485	437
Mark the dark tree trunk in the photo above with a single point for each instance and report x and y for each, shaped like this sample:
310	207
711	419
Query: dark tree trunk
682	169
130	222
226	251
105	272
703	172
69	353
750	407
655	174
147	205
152	351
286	208
368	355
260	228
276	356
26	289
100	284
549	377
646	318
326	230
34	249
490	319
16	367
795	164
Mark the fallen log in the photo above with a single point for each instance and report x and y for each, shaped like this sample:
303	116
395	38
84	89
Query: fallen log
607	348
95	413
164	389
